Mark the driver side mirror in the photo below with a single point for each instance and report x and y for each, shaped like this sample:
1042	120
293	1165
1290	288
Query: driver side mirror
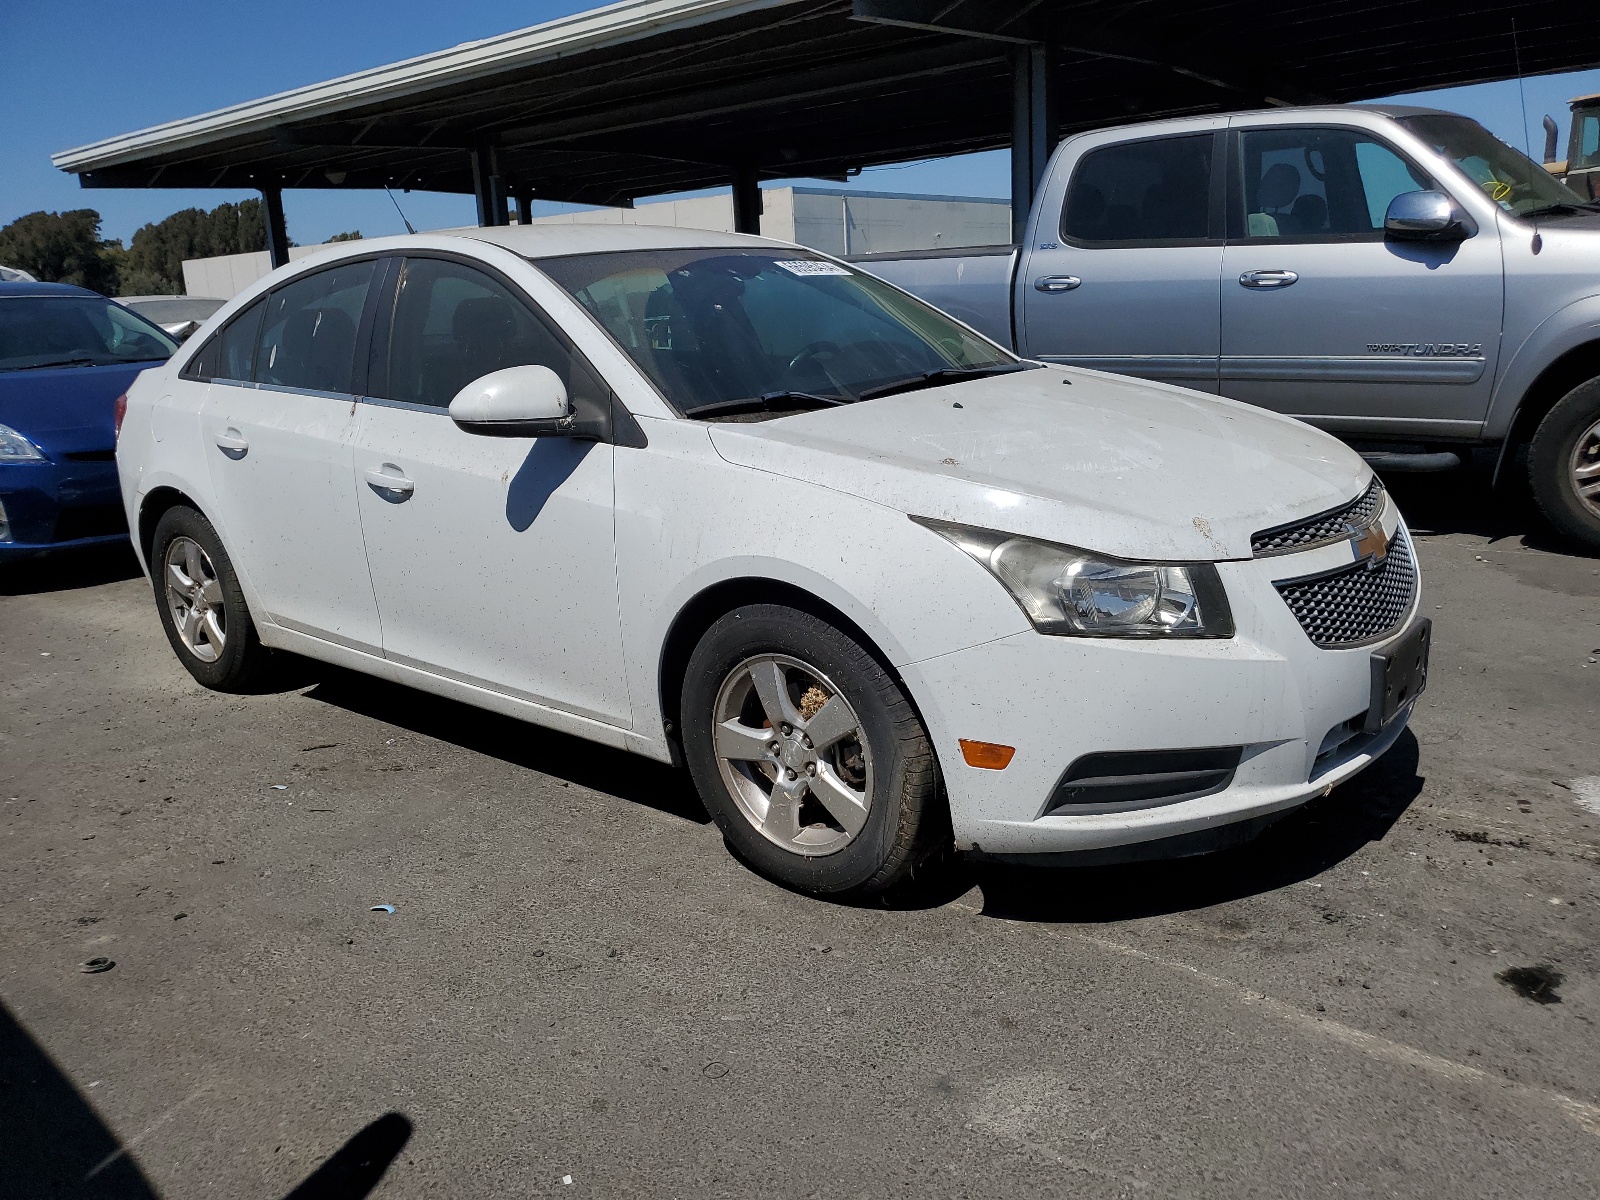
528	401
1426	217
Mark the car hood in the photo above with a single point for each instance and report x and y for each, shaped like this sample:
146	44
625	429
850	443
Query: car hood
66	410
1121	466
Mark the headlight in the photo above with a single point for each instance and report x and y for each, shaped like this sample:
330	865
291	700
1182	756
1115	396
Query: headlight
16	448
1068	591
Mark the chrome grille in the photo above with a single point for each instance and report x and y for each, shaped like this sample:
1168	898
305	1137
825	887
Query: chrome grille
1330	526
1354	604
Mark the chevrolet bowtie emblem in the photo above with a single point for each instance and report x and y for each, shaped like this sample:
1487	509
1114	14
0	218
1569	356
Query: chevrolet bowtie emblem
1371	544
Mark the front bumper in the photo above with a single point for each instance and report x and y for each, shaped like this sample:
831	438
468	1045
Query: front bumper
53	506
1296	711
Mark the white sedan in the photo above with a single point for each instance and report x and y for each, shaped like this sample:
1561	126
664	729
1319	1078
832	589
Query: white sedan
882	586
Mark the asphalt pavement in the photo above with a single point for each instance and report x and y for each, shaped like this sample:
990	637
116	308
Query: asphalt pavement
1393	992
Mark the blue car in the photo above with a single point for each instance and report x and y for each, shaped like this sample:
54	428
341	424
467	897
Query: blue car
66	356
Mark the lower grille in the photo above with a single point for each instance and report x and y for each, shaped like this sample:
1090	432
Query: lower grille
90	520
1355	604
1119	781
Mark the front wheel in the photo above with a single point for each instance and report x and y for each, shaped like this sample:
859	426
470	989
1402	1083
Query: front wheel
1564	465
201	604
809	755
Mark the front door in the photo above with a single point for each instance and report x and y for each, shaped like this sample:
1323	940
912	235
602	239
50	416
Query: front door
278	424
1324	318
493	558
1130	282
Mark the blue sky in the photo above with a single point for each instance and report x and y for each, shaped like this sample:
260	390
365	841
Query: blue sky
72	72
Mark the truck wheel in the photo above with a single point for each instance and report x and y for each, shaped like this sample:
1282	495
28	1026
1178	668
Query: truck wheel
809	755
1564	465
202	607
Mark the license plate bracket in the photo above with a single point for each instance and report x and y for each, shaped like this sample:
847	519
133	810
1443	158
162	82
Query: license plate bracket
1399	674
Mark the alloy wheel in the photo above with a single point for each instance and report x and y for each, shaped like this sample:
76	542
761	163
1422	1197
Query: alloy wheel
194	595
793	754
1585	467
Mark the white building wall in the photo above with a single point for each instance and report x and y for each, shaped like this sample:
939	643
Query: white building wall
835	222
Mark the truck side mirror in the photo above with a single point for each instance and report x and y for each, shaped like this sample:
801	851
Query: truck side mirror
1426	217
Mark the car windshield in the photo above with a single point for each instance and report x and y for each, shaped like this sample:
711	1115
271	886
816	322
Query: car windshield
75	331
724	330
1510	178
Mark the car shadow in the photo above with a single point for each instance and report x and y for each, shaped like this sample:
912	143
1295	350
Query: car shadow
588	764
1467	500
1298	847
65	570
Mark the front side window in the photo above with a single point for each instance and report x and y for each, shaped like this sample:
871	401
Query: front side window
717	327
38	332
453	324
308	335
1507	176
1320	184
1153	191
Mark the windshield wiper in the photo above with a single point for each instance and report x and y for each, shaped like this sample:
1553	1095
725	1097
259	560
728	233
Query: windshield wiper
757	403
942	376
77	360
1545	210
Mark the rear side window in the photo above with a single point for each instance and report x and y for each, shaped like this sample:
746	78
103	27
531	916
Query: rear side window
308	337
453	324
1153	191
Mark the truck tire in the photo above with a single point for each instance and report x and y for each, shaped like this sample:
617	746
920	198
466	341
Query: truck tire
201	604
848	814
1564	465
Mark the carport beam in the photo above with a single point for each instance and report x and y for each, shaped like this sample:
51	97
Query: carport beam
746	201
277	231
1032	129
489	186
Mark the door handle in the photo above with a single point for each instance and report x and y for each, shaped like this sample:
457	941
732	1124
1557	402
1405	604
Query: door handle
1267	279
390	483
232	443
1056	283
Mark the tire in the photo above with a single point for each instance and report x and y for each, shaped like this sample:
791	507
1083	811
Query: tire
1566	443
848	816
185	540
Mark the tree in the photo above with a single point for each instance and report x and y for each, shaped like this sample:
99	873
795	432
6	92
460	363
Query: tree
61	248
353	235
155	259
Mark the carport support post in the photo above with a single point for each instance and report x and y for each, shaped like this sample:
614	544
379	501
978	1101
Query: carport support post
489	186
524	208
1032	129
746	201
277	232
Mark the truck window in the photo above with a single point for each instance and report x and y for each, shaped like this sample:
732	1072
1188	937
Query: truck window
1318	185
1155	191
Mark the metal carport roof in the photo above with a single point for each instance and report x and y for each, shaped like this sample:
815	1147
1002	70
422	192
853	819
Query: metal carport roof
654	96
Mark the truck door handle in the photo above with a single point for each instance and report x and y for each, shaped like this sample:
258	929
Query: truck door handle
1056	283
390	483
1267	279
232	443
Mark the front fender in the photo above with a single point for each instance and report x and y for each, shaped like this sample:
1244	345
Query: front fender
1562	331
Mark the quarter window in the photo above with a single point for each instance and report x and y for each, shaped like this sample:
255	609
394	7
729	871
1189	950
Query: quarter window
308	338
235	350
1319	184
453	324
1158	190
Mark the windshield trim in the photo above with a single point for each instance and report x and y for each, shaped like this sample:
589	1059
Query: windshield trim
1012	360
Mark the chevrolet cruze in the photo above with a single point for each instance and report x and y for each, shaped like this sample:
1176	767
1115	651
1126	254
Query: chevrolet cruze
881	586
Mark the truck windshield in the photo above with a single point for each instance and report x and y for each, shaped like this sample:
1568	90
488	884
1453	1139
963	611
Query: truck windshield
720	330
1510	178
37	332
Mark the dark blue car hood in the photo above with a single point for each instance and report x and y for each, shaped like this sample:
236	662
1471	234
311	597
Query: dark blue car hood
67	410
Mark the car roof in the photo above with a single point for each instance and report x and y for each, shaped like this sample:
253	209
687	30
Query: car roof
552	240
44	289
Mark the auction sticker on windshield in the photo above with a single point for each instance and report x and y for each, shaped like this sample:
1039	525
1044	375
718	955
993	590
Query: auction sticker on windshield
809	266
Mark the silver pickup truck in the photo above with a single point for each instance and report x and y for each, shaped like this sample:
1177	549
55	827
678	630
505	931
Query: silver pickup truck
1395	275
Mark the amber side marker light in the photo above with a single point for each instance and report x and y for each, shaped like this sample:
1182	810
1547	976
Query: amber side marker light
988	755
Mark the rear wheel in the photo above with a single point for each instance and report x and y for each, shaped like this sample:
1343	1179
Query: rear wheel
1564	465
202	607
809	755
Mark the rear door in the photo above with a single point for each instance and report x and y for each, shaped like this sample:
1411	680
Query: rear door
1123	275
278	425
492	557
1323	318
